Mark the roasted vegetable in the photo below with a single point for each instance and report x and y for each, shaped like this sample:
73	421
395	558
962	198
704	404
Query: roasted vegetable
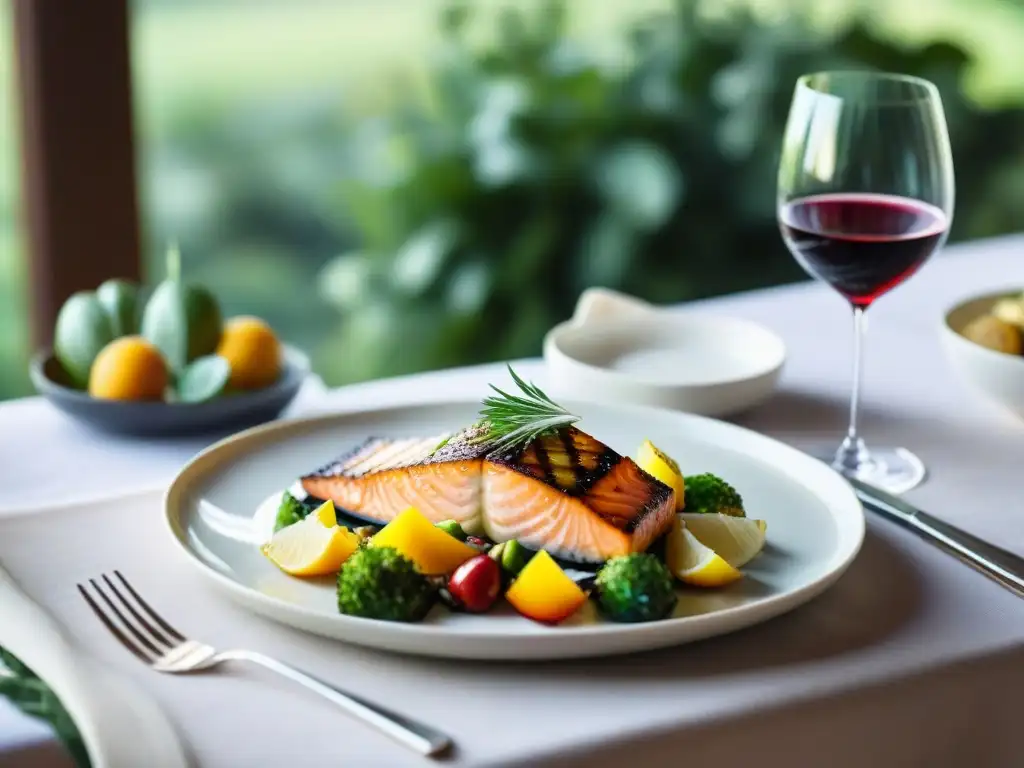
452	528
479	544
365	533
291	511
515	557
432	550
544	593
636	587
381	583
708	493
476	584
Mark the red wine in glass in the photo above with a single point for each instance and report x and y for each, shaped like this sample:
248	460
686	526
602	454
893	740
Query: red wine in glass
863	245
865	197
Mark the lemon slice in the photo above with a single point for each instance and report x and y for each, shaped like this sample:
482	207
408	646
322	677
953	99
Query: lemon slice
315	546
693	563
661	466
738	540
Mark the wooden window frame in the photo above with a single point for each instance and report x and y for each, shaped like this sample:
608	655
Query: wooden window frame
79	200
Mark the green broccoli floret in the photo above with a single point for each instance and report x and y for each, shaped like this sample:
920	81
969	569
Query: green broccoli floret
290	512
636	587
380	583
708	494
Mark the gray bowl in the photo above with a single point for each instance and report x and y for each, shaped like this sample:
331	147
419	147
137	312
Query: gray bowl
230	412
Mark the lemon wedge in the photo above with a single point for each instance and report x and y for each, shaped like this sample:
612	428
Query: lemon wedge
661	466
738	540
315	546
693	563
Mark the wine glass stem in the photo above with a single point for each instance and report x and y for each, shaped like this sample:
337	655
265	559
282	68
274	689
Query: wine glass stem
853	454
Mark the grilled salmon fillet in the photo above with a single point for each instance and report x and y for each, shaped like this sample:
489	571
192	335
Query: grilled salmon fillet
575	497
567	493
381	478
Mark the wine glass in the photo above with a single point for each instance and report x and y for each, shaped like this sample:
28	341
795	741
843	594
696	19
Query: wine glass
865	198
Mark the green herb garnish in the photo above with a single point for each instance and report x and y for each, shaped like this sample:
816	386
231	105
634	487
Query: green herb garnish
512	421
27	691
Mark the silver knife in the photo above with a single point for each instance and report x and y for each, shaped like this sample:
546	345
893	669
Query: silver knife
1003	567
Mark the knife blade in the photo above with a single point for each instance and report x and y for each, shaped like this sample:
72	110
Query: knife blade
1002	566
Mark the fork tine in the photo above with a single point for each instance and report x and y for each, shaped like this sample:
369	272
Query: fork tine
141	638
152	613
153	631
114	630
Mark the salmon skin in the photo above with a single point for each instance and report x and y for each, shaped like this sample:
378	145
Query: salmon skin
567	492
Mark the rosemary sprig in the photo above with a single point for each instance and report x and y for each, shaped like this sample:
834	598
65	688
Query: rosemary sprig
512	421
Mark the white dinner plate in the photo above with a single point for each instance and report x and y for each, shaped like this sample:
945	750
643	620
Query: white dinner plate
815	529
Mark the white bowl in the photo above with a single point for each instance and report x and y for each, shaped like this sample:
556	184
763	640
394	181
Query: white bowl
619	349
997	375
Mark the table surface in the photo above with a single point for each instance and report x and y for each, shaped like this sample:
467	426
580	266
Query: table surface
912	397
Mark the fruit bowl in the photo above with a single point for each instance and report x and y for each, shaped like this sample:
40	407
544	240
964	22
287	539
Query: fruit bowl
228	412
997	375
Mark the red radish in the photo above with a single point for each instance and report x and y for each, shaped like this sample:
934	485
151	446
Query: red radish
476	583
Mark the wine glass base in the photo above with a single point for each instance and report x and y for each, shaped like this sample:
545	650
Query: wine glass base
895	470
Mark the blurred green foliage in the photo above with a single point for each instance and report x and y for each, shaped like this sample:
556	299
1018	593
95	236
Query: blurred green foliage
474	176
250	195
536	169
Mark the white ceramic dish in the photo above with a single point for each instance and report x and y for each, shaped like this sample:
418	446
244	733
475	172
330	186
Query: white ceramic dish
815	528
998	376
619	349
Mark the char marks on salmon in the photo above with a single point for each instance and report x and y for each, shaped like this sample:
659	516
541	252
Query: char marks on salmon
574	496
567	493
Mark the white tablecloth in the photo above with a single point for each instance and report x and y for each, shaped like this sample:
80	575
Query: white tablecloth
912	397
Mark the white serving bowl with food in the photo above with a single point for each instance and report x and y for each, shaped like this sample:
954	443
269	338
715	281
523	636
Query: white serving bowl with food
619	349
983	338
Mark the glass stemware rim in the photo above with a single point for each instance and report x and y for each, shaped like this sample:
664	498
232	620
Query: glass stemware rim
928	90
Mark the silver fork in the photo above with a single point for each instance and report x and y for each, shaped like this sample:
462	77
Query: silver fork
142	631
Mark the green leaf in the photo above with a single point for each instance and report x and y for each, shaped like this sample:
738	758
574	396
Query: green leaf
454	18
469	287
642	184
203	379
25	690
418	263
606	253
527	252
345	280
